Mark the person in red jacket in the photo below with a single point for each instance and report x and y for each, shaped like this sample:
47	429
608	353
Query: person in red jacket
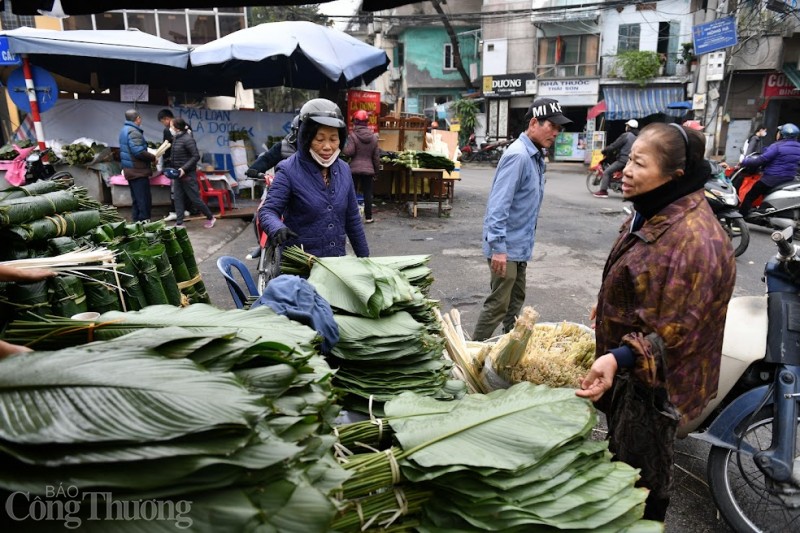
362	148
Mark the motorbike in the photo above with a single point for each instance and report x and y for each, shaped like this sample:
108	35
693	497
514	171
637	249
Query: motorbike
724	201
753	466
268	255
489	152
595	174
779	208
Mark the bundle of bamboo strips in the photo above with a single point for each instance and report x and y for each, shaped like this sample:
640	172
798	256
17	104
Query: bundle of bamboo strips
510	349
458	351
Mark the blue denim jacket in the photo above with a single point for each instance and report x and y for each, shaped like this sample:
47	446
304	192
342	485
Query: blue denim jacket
514	202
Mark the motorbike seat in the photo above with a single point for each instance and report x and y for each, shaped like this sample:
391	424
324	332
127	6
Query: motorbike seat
793	184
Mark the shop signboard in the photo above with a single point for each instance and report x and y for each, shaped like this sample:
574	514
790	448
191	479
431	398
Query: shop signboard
369	101
509	85
570	146
556	88
777	84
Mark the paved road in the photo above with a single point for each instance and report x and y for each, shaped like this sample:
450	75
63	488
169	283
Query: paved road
574	236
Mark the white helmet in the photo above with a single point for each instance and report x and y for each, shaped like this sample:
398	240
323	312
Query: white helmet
633	123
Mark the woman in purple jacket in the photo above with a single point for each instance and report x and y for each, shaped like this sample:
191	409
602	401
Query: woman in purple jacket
780	161
312	202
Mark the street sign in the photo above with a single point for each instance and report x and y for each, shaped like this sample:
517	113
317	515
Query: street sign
6	56
714	35
43	84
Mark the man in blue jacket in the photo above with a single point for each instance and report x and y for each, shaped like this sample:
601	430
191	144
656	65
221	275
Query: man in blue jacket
136	161
509	225
780	161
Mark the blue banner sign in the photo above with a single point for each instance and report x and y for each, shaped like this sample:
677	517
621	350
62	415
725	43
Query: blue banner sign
6	57
714	35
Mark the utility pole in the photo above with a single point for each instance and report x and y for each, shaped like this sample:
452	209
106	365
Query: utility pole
702	87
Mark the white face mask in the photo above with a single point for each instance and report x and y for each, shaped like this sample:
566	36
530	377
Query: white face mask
323	162
174	131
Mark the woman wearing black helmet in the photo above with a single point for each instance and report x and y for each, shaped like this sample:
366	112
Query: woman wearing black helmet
312	201
780	161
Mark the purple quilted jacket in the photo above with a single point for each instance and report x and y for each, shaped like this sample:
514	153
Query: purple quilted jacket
323	217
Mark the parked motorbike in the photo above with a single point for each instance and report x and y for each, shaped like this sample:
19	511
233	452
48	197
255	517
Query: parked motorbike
753	466
267	254
724	201
488	152
779	208
595	174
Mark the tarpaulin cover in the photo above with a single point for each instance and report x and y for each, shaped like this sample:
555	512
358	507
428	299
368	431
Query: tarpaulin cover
624	103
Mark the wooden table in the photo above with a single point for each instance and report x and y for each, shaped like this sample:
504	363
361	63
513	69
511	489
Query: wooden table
415	179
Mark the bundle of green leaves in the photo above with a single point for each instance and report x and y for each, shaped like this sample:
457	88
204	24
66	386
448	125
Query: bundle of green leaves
231	412
518	459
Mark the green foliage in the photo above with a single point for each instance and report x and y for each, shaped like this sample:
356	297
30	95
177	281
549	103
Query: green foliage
639	65
687	53
466	111
261	14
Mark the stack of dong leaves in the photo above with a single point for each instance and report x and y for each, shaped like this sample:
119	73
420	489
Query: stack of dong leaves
389	336
172	419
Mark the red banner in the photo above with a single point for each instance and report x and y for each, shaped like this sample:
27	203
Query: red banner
369	101
777	84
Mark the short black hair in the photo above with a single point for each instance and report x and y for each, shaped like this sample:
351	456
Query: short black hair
164	113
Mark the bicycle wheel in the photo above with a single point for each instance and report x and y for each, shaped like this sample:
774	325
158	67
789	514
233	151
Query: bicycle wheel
747	499
593	178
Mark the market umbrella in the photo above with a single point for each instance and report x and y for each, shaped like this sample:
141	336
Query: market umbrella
99	59
295	54
103	59
85	7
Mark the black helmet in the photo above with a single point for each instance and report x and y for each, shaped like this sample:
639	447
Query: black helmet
323	112
172	173
320	112
789	131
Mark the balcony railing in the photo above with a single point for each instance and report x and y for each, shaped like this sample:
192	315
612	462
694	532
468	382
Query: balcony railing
580	70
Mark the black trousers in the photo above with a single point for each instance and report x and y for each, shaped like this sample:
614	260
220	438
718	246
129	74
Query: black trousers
365	180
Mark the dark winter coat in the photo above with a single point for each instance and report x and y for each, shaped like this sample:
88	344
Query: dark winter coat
623	144
664	293
184	152
779	160
362	148
323	217
133	154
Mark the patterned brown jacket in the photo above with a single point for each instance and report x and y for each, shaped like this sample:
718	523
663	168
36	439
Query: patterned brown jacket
665	294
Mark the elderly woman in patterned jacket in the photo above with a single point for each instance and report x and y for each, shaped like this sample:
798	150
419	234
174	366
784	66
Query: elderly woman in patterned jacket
664	296
312	200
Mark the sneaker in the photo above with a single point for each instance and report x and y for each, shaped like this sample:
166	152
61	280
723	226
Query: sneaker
187	214
369	221
600	194
171	216
178	225
210	223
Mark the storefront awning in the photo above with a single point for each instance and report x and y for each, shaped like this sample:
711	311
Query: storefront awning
624	103
791	72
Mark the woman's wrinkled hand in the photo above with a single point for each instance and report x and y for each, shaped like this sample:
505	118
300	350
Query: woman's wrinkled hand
599	379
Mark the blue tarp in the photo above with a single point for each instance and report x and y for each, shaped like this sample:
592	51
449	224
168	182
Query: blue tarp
624	103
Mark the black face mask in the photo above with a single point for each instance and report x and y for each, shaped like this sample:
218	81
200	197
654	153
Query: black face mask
651	202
